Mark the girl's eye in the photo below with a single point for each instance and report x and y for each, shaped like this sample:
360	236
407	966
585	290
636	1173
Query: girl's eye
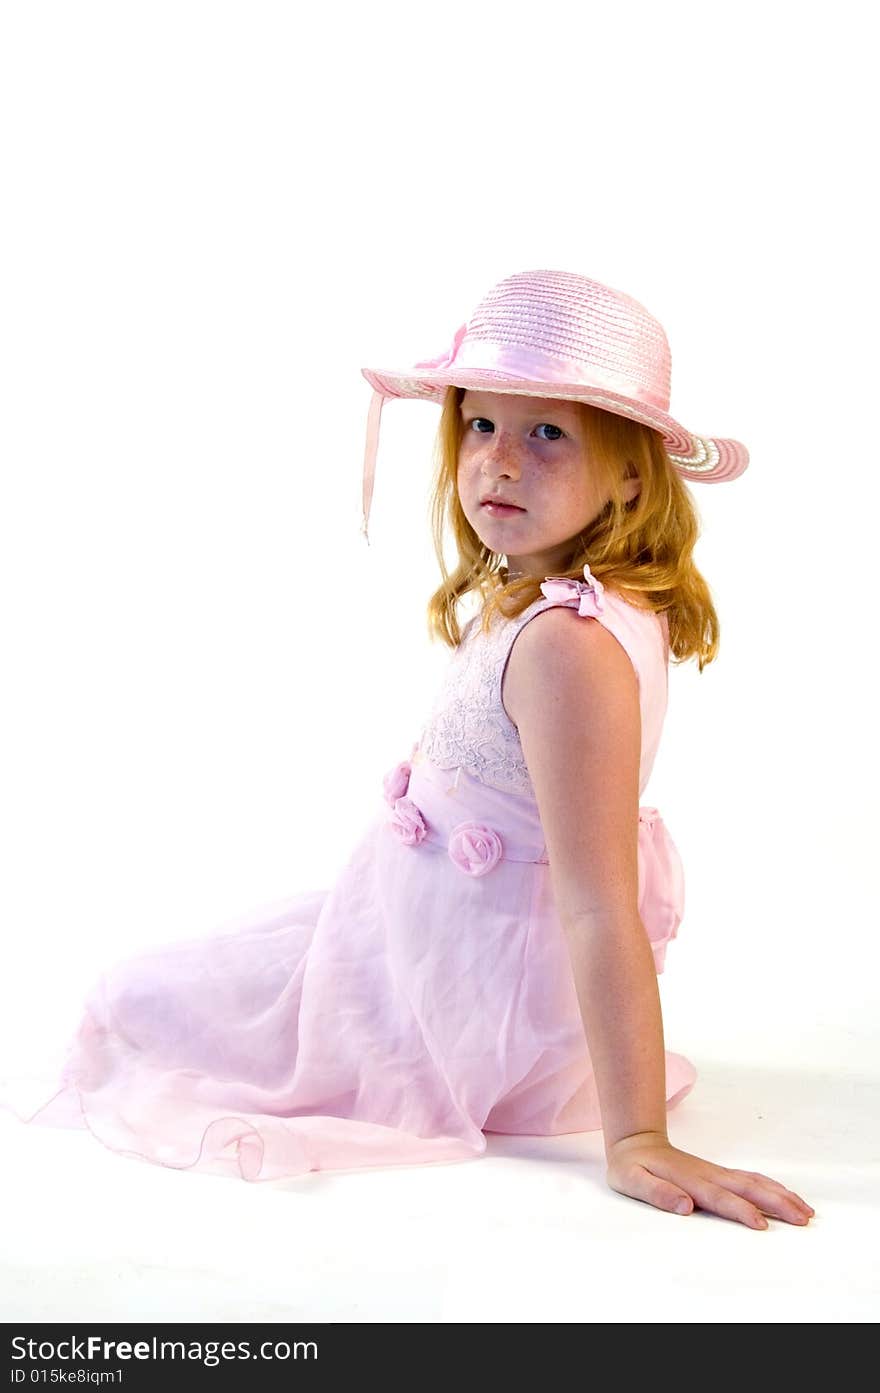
545	425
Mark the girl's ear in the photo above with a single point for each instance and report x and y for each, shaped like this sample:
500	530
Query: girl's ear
631	489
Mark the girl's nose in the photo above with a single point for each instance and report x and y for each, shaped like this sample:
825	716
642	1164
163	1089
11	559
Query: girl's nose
501	456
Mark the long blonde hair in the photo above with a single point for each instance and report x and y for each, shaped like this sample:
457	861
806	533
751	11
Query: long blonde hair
642	545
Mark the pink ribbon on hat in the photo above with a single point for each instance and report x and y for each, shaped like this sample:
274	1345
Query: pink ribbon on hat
374	417
447	358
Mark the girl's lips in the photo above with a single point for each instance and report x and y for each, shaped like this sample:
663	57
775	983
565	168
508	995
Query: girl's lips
502	509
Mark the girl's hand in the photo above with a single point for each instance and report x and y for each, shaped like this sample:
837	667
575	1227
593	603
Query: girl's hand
648	1167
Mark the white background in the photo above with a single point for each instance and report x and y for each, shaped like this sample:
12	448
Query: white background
213	216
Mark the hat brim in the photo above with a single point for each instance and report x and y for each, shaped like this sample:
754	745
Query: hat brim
710	459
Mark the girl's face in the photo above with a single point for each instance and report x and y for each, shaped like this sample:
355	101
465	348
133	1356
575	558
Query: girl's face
533	452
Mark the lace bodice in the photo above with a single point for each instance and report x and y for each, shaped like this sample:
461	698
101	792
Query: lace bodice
468	727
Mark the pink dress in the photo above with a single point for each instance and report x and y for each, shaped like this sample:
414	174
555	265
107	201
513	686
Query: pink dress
425	999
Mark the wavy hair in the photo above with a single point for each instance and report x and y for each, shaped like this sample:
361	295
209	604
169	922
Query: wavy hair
643	546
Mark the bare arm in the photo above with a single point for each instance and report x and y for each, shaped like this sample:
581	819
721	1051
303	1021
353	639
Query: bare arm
573	693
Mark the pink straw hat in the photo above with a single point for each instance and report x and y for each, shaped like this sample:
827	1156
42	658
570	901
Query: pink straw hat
557	334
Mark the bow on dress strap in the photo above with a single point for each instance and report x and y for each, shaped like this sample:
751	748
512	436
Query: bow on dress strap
587	593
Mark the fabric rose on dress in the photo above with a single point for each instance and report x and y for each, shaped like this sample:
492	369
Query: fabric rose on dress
407	823
474	848
396	782
588	592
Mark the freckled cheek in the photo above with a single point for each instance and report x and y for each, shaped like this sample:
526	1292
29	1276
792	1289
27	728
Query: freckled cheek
467	476
466	488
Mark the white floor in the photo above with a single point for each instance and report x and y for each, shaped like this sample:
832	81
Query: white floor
530	1232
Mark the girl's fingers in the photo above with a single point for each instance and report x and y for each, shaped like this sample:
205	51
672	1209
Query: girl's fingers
679	1182
747	1197
641	1184
719	1200
769	1196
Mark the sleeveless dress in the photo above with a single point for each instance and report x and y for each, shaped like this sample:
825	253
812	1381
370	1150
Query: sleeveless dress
425	999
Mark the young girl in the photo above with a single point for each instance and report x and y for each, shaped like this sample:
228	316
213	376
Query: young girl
487	959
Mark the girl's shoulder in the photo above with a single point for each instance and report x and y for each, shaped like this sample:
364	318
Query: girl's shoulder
638	629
